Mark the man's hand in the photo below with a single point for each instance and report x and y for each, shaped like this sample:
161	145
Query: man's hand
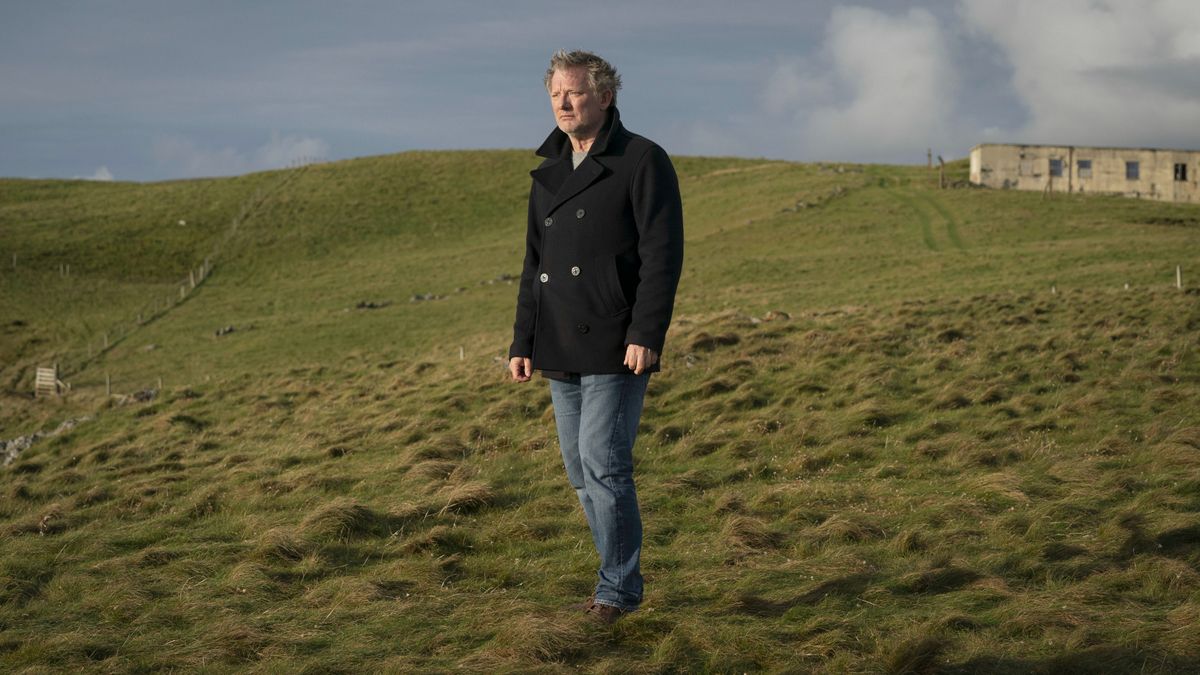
640	358
521	368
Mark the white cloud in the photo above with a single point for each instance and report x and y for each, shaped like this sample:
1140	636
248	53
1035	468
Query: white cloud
881	87
1101	72
101	173
184	157
901	86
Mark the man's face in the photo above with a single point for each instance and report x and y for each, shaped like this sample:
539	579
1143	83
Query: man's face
578	110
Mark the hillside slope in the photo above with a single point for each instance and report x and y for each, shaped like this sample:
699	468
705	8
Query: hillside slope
899	429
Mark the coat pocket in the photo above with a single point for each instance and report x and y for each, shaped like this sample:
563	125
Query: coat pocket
610	282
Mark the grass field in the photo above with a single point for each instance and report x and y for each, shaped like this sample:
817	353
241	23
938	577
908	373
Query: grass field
898	429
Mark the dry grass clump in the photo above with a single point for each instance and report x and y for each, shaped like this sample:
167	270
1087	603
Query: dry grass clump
534	641
444	539
678	652
249	578
93	496
704	342
433	469
208	503
445	447
282	544
341	591
911	655
467	497
1188	437
866	417
342	518
51	520
848	527
730	502
749	534
692	480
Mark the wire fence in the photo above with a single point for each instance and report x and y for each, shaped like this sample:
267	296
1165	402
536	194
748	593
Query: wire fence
73	361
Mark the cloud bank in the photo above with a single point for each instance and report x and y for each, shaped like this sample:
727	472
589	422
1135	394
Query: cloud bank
1100	72
182	156
883	85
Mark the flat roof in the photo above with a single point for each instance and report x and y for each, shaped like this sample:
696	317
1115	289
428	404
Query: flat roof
1086	147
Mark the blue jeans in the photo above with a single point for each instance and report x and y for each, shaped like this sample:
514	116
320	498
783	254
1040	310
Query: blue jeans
597	419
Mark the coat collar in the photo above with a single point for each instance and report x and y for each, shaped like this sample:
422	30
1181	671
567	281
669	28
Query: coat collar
556	174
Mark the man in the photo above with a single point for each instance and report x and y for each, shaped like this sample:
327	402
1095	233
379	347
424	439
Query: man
603	254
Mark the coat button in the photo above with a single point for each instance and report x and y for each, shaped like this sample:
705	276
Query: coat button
580	213
582	327
574	271
545	277
549	221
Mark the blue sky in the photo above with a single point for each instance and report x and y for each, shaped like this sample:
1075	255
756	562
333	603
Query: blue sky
140	90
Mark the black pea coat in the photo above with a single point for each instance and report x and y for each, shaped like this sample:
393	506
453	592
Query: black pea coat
603	253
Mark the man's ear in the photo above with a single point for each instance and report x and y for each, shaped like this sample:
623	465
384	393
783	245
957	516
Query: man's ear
606	99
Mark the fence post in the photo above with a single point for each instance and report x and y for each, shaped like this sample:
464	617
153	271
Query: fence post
1179	277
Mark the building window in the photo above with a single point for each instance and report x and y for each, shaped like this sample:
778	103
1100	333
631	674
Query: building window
1181	172
1085	168
1131	170
1056	167
1026	168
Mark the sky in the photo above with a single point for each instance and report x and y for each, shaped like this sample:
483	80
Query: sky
149	90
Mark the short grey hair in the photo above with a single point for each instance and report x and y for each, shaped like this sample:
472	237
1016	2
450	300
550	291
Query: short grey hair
601	75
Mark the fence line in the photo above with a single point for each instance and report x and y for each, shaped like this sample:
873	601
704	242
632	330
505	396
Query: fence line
75	361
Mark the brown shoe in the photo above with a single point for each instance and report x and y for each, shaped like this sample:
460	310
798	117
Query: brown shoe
606	614
582	606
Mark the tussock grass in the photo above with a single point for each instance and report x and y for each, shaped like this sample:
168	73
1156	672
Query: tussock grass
936	466
466	497
342	518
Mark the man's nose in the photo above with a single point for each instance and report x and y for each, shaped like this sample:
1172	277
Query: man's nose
564	103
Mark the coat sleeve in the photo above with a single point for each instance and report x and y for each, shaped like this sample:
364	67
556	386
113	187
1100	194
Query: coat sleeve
658	214
522	344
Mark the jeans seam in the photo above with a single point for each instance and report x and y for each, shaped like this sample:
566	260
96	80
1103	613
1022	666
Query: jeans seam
611	480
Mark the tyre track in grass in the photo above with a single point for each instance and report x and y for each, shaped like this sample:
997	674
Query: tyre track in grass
924	222
951	222
928	208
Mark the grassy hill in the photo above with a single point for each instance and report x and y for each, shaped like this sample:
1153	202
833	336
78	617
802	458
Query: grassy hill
899	429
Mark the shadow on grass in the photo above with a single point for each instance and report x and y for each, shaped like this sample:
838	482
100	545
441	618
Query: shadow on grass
850	586
1094	660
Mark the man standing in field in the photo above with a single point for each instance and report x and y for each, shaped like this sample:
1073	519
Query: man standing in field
603	254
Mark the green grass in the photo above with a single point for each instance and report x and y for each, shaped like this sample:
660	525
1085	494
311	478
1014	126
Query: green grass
930	463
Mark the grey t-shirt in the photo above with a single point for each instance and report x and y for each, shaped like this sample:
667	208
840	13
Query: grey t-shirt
577	157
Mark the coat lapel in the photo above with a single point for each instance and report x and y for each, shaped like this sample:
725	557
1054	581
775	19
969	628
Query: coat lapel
557	176
577	181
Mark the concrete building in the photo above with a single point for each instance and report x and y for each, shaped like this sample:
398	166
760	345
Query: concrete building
1168	175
